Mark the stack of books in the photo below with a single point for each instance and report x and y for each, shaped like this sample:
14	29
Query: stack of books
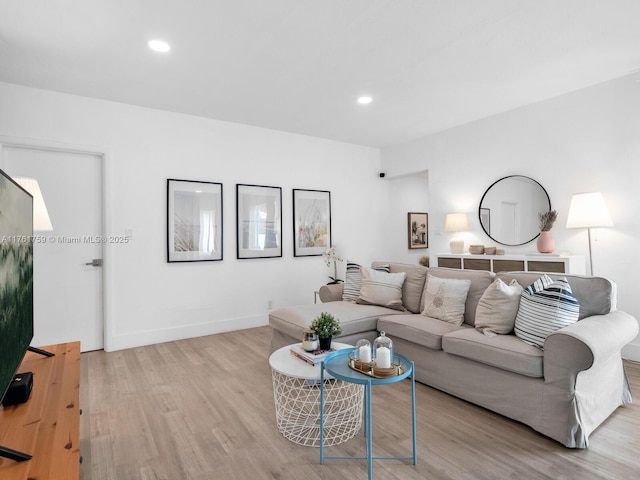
312	358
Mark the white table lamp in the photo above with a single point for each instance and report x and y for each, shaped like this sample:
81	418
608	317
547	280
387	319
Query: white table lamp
456	223
588	210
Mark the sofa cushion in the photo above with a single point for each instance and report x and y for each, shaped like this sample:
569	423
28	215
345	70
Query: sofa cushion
353	281
380	288
596	295
418	329
413	284
498	307
353	318
480	280
545	306
507	352
445	298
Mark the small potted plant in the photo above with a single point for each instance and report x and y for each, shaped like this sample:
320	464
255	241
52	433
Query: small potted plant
326	326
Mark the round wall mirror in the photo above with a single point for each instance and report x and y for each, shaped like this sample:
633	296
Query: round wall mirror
509	210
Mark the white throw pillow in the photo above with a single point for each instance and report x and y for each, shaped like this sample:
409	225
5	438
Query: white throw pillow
445	298
352	281
545	306
381	288
498	307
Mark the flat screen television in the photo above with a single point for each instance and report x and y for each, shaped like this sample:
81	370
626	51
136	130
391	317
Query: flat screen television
16	282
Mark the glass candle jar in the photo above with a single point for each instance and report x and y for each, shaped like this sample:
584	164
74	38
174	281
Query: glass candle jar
363	351
310	341
383	351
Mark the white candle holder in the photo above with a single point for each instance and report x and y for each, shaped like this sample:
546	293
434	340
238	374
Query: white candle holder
362	354
383	352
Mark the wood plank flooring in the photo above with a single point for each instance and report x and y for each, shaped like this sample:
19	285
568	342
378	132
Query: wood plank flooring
203	409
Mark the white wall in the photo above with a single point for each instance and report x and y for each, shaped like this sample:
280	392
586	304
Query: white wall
150	300
406	193
584	141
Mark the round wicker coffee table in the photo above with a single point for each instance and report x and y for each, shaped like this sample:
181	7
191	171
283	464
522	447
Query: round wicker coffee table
296	393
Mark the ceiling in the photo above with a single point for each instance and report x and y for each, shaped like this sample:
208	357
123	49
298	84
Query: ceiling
299	65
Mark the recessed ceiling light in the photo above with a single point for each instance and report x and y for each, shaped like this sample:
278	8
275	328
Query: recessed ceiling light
364	100
159	46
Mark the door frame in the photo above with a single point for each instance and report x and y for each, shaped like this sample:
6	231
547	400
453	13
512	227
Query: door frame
107	252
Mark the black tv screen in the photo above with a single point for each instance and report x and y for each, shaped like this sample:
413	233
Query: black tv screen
16	277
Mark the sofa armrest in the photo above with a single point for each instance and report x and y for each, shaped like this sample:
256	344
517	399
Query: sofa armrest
331	293
586	343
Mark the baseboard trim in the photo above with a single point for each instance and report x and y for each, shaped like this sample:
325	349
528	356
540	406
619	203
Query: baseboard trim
151	337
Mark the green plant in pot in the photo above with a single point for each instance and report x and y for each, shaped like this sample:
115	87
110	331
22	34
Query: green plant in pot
326	326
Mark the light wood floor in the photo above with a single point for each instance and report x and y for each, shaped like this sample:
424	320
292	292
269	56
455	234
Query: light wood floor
203	409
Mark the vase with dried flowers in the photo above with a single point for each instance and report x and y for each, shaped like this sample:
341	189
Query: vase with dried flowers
545	242
331	257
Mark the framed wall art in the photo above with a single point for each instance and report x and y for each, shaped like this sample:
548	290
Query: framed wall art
418	230
311	222
258	221
194	221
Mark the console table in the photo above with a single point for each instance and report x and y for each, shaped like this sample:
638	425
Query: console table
573	264
47	426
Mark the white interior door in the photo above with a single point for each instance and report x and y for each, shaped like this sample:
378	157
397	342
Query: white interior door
68	299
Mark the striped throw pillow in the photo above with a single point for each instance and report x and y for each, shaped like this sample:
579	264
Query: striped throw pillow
381	288
353	281
545	306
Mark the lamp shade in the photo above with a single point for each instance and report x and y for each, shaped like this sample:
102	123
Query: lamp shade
588	210
41	220
456	222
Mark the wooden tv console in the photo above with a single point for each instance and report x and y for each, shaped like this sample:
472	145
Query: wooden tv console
47	426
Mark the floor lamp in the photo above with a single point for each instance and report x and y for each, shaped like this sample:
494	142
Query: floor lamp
588	210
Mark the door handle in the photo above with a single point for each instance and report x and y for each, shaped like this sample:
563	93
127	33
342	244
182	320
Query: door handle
96	262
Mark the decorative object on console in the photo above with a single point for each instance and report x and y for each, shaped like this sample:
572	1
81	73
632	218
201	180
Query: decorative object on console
41	220
490	250
545	242
456	223
311	222
194	221
588	210
326	326
418	230
330	257
476	249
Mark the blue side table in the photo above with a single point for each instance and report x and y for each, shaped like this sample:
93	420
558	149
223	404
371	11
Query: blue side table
337	365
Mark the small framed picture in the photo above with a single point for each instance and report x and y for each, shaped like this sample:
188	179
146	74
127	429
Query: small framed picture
258	221
311	222
418	230
194	221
